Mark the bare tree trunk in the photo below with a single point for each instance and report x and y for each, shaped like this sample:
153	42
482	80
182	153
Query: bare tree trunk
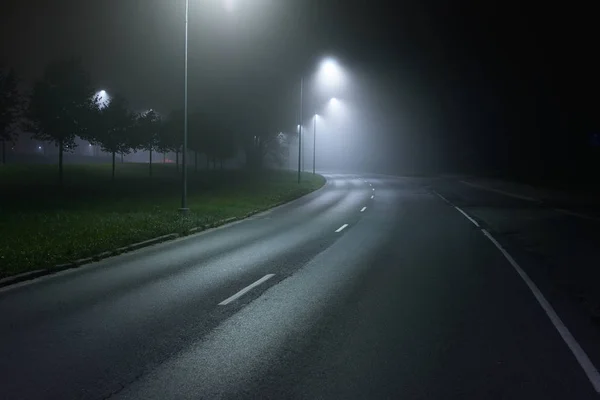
113	165
122	158
3	151
177	159
150	162
60	162
164	158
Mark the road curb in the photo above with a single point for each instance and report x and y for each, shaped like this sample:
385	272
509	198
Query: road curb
11	280
23	277
27	276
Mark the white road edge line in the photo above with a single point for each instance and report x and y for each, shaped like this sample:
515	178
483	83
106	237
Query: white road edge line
441	197
341	228
467	216
581	356
578	352
459	210
363	209
246	289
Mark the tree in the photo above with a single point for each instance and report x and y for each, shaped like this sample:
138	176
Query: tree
224	145
202	131
256	130
265	146
148	128
209	134
197	135
10	108
171	136
61	106
114	128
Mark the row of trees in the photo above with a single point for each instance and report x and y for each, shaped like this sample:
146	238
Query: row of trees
63	106
11	108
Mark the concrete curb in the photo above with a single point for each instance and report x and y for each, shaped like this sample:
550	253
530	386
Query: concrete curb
11	280
23	277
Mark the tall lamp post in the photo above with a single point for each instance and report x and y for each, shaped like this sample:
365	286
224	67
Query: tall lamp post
334	101
184	208
330	71
300	129
315	143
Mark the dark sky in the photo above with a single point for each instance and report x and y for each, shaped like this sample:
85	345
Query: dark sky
476	81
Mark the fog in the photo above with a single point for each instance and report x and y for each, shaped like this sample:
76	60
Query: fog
420	91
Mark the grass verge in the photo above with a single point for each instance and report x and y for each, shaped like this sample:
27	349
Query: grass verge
42	225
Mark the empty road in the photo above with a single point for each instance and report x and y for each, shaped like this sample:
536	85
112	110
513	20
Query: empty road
372	287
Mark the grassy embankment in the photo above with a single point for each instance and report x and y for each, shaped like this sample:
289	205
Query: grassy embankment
42	225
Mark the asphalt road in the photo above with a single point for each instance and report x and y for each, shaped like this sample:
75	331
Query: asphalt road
409	300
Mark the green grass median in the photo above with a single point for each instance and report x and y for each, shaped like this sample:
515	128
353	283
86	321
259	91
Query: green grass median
42	225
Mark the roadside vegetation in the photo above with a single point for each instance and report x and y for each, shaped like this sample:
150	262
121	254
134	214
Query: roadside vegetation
43	224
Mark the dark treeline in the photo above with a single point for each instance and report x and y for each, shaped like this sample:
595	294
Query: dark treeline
63	105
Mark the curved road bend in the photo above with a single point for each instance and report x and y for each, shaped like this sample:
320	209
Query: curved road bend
372	287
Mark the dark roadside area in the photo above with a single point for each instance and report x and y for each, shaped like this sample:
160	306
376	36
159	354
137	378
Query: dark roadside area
552	226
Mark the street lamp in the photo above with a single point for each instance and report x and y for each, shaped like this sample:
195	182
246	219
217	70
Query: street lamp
229	5
334	102
300	128
102	99
315	142
184	208
331	73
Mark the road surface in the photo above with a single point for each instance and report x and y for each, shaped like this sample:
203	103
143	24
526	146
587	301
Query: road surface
372	287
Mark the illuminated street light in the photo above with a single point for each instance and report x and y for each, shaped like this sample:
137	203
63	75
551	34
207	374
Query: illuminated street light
300	127
102	99
315	142
330	68
184	208
229	5
333	102
330	73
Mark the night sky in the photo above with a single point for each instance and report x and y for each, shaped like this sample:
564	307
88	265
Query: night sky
490	85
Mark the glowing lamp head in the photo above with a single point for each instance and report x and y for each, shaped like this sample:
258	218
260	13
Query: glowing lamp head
330	68
102	98
330	75
229	5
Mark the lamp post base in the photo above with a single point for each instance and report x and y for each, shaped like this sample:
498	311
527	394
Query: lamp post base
184	211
